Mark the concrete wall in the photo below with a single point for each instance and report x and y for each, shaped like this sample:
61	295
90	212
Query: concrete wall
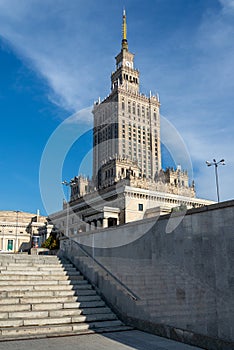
175	275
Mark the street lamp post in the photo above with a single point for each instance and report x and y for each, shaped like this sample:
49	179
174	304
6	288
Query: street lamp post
16	230
66	183
216	164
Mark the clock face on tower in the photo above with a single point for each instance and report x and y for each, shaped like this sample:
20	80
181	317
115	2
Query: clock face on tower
128	64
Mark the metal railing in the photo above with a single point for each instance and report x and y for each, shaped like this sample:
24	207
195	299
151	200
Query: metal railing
116	279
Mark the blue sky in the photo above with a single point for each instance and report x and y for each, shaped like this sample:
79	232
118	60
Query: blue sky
56	57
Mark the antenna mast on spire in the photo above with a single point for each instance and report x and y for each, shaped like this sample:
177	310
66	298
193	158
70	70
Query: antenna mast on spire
124	32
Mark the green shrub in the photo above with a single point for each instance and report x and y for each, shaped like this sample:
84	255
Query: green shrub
51	243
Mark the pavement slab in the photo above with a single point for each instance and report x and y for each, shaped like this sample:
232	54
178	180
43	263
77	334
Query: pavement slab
129	340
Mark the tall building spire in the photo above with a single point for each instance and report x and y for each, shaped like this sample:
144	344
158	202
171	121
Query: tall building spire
124	32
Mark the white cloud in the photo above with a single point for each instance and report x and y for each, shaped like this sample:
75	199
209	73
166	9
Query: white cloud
228	5
194	70
202	106
59	45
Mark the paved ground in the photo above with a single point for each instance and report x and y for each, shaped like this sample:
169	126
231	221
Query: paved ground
131	340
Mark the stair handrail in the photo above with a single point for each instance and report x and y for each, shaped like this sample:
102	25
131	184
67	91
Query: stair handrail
129	291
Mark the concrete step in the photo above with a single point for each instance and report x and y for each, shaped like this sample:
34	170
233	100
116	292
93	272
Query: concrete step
47	320
54	304
38	276
30	260
27	256
66	305
95	310
61	329
84	304
12	307
42	287
36	300
84	311
52	313
65	312
39	296
34	269
40	282
35	264
59	332
35	294
38	272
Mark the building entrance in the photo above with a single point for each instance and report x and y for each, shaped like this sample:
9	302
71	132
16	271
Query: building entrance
112	222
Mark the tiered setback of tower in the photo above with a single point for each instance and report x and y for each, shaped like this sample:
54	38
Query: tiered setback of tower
127	123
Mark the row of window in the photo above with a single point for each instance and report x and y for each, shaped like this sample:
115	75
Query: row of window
135	127
109	132
109	173
137	109
129	78
160	199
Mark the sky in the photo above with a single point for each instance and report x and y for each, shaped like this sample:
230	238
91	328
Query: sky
56	58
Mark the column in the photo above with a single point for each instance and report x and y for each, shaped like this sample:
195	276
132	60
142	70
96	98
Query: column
92	226
87	226
105	222
99	223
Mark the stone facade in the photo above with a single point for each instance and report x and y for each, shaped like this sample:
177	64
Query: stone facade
17	230
127	200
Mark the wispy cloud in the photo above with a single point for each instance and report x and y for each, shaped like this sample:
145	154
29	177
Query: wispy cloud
211	137
228	6
198	95
193	67
59	44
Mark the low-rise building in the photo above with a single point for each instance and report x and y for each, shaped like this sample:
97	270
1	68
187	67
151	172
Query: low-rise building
20	230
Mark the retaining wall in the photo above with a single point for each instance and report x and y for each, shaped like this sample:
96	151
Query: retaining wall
173	276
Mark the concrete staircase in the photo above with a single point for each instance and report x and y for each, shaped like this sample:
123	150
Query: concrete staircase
43	296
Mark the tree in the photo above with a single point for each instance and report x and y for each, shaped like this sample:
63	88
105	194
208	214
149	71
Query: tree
52	242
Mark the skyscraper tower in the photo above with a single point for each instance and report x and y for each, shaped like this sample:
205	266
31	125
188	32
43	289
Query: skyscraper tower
128	181
127	122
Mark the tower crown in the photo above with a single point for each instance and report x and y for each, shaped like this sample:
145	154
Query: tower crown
125	76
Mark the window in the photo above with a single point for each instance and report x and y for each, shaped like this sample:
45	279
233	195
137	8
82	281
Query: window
140	207
138	110
129	107
10	244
